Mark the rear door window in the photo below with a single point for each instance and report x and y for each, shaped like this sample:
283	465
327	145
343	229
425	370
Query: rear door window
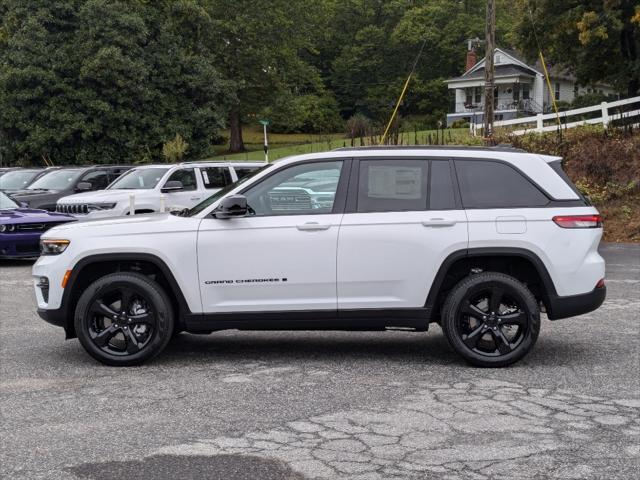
215	177
490	184
392	185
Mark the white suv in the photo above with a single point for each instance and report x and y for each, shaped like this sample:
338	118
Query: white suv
179	186
477	240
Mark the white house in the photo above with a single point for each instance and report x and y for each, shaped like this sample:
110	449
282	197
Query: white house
520	89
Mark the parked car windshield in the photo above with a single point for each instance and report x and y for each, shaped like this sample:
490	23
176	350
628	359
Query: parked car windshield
6	202
143	178
221	193
18	179
58	180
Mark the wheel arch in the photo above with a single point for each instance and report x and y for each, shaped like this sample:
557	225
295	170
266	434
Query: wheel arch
520	263
92	267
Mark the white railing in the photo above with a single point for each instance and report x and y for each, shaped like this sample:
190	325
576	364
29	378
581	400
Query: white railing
536	122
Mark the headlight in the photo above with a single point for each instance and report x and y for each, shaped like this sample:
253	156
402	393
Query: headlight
7	228
100	206
53	246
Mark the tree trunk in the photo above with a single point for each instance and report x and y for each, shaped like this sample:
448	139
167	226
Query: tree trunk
235	135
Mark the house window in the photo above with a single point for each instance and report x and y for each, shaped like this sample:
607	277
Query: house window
557	92
468	96
525	92
478	95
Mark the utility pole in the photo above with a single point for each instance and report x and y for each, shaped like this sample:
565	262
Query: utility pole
490	34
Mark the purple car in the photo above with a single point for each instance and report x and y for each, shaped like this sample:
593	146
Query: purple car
20	228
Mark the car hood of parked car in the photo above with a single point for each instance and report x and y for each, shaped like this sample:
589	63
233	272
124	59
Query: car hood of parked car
31	215
106	196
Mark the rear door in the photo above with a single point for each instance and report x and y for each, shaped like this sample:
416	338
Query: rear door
403	219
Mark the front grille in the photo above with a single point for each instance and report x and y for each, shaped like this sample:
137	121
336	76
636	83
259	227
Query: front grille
289	200
73	208
31	227
28	248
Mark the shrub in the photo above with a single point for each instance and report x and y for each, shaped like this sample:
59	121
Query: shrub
175	149
460	124
358	126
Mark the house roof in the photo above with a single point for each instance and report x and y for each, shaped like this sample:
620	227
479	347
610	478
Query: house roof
511	65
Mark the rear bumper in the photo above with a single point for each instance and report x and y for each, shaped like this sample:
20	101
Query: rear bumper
570	306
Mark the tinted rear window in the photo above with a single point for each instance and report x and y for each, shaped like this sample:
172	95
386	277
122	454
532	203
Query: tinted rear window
488	184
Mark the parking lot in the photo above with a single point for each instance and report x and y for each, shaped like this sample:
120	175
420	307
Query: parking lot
283	405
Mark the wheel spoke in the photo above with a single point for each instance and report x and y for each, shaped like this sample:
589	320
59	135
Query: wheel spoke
101	308
501	342
141	318
132	342
473	311
471	340
516	318
494	301
103	337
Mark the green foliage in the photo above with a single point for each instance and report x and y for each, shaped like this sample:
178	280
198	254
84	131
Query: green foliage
175	149
304	114
106	81
599	41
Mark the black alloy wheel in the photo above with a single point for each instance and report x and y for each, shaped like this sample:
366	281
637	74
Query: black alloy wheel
124	319
491	319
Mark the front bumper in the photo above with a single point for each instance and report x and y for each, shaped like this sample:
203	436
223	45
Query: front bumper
573	305
19	245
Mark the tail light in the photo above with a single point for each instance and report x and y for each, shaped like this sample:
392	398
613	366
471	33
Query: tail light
578	221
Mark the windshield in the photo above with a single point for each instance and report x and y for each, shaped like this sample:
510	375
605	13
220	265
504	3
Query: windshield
58	180
144	178
6	202
18	179
221	193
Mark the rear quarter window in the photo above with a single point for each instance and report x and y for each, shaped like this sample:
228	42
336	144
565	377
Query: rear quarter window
490	184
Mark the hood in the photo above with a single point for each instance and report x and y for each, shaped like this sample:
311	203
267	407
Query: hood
27	192
99	196
27	215
147	224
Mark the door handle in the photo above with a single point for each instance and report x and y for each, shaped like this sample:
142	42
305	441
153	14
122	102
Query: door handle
195	198
312	226
438	222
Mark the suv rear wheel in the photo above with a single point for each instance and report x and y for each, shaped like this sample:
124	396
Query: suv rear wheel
124	319
491	319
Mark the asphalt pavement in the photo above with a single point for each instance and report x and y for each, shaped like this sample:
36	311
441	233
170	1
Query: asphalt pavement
327	405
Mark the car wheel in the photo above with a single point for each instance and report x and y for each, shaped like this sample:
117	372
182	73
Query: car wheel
491	319
124	319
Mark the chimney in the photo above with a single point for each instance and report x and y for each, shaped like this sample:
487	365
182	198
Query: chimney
472	59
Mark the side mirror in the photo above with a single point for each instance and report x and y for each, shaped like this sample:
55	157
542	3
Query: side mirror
232	206
172	186
84	186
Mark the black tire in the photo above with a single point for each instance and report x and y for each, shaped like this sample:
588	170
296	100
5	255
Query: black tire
486	336
124	319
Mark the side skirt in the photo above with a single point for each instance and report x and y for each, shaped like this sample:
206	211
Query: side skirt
350	320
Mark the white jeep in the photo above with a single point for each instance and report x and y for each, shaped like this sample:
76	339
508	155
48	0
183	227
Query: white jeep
179	186
479	240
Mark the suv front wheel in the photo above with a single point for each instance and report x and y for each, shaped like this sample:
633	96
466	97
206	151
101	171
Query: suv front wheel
491	319
124	319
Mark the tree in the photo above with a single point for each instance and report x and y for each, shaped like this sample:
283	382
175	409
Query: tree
597	40
259	46
107	81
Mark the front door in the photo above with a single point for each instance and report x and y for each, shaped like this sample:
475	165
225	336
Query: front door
402	221
282	256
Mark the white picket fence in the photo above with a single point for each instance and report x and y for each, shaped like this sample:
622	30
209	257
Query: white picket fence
536	122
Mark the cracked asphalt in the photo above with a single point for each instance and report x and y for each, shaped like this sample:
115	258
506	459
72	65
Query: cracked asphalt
325	405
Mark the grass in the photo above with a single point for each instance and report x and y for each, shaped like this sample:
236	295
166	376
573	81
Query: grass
283	145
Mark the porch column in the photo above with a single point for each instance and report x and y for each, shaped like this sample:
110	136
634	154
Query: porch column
538	90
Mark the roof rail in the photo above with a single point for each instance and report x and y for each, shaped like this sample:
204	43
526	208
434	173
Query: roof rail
497	148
